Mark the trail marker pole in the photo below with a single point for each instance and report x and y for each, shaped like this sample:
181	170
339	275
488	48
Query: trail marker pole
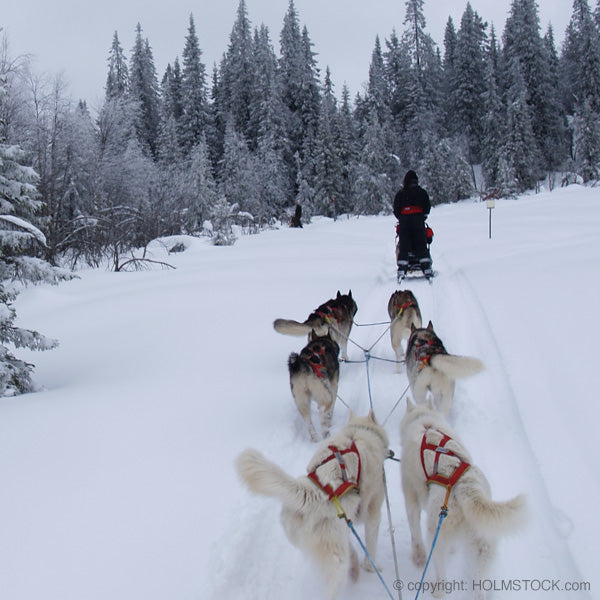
491	204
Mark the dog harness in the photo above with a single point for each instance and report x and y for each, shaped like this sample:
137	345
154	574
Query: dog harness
401	308
425	350
451	459
341	474
315	356
330	312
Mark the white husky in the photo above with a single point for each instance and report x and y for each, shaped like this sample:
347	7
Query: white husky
431	451
431	369
309	517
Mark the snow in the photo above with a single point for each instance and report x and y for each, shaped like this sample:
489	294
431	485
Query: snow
117	478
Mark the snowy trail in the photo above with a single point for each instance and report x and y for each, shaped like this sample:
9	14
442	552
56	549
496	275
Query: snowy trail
118	479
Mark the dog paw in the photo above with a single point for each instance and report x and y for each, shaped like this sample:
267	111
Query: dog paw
418	556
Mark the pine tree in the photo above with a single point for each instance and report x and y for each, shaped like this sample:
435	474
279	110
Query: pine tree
377	90
523	44
118	76
587	142
372	184
143	90
22	245
328	164
398	74
235	81
520	151
467	84
299	85
494	119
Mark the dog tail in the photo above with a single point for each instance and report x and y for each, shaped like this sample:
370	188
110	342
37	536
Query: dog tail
489	516
265	478
456	366
290	327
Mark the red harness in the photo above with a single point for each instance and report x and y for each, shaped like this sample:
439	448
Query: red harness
424	352
315	356
403	307
329	312
347	484
440	449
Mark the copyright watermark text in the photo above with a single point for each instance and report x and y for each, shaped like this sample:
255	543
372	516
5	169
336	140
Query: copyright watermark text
494	585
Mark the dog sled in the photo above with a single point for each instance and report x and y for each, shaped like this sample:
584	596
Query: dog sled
416	268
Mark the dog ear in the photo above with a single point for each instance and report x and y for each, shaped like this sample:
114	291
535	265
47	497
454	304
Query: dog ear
430	326
412	328
338	295
372	416
409	405
350	294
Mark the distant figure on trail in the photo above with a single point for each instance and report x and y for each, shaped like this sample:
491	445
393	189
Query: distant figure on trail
296	219
411	207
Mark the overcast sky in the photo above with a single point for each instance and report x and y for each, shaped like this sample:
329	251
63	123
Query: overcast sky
73	37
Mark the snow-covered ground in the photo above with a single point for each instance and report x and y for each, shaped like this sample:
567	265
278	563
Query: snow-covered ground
117	479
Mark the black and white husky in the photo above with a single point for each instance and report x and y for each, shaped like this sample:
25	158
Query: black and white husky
431	369
309	515
404	313
334	316
432	455
314	374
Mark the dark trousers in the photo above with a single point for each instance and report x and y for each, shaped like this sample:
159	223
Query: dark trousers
411	237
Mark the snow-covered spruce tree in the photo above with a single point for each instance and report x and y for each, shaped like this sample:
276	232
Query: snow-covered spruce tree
21	244
143	91
373	189
397	73
466	86
445	173
493	120
299	88
586	142
523	44
520	150
328	164
235	85
189	95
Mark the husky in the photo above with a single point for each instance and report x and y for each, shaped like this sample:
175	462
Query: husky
314	373
335	316
431	369
347	468
432	455
404	313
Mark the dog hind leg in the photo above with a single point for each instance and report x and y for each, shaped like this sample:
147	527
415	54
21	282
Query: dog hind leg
302	399
372	522
413	513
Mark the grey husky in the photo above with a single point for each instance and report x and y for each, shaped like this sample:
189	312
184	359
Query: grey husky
431	369
335	315
347	467
437	472
404	313
314	374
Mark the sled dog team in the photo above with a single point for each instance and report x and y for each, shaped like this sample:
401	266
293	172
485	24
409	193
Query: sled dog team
346	472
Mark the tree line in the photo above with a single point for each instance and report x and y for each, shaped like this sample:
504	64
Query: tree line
197	152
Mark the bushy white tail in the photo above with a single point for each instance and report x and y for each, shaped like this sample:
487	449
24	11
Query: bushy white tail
494	518
456	366
264	477
290	327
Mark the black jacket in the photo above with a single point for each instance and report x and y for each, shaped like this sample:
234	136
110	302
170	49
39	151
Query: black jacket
411	195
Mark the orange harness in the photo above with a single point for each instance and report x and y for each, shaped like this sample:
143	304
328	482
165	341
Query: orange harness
440	449
347	484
